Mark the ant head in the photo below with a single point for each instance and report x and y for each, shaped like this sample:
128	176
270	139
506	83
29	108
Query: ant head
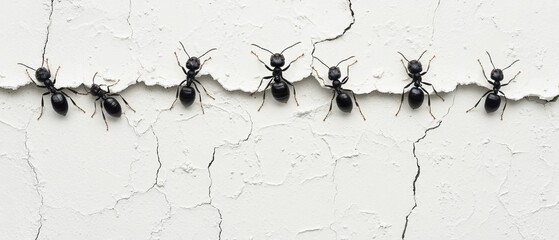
277	60
42	74
193	63
95	88
414	66
497	74
334	73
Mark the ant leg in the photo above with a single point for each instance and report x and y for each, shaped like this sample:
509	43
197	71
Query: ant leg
483	71
512	79
259	85
479	101
179	63
504	107
330	108
428	102
177	96
206	91
47	62
55	74
289	65
110	85
80	93
428	66
356	103
71	90
261	61
85	89
402	100
103	113
264	96
42	104
199	97
294	91
429	84
95	106
405	68
72	100
318	76
124	100
347	76
201	66
32	80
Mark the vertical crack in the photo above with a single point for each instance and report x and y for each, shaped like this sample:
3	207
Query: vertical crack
210	173
210	191
339	35
417	176
48	31
128	18
37	182
158	159
418	173
433	20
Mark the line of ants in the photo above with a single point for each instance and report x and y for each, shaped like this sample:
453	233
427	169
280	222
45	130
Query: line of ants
188	88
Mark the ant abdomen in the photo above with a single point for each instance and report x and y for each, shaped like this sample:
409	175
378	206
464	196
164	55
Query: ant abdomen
112	107
280	91
59	103
415	97
345	104
492	102
187	95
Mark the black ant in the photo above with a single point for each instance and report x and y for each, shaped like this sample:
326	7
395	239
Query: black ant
107	101
280	90
493	100
186	93
343	99
58	97
416	96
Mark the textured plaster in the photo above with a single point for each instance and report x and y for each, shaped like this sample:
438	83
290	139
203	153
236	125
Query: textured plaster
281	173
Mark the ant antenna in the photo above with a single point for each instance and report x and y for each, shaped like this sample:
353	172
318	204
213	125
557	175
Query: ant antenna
27	66
511	64
183	48
491	60
208	52
262	48
404	57
289	47
94	78
321	62
345	60
421	55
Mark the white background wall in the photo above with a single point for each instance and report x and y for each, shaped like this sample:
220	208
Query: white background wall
281	173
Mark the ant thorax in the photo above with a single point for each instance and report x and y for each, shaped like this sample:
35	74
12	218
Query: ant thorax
336	83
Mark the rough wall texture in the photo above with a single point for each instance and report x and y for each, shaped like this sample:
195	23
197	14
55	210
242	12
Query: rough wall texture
281	173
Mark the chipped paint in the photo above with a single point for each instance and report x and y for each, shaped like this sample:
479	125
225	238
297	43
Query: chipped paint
281	173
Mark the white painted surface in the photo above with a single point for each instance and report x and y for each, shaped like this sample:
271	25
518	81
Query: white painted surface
282	173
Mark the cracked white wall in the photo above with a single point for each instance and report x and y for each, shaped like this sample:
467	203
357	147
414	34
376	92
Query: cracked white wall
282	173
